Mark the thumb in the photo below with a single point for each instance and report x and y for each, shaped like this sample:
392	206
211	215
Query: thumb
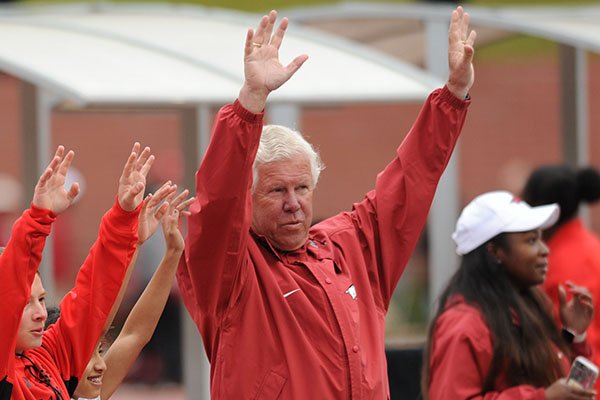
562	296
73	191
468	54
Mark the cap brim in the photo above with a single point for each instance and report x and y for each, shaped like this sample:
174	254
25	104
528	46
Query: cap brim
541	217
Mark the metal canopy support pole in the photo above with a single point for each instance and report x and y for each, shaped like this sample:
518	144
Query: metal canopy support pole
444	211
37	105
196	369
45	103
29	149
574	107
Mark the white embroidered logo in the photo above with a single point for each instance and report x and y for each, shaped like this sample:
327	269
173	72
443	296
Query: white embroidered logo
290	292
351	291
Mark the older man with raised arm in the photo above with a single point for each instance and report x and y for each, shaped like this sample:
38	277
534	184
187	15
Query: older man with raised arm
285	310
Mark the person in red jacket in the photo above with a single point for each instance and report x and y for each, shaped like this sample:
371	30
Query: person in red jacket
493	336
285	310
574	249
108	367
38	364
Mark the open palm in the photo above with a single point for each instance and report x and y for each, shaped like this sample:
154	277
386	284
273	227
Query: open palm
50	192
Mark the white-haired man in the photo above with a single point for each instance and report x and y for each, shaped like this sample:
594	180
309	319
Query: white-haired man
285	310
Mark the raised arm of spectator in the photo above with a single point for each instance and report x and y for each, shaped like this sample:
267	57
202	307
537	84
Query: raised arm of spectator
86	307
21	258
151	214
141	322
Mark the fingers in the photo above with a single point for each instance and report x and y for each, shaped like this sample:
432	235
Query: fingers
562	296
180	203
161	211
136	189
464	26
262	35
249	47
162	193
145	161
57	157
129	164
269	27
455	18
182	208
295	65
176	201
259	34
66	163
580	293
170	222
73	191
46	175
468	48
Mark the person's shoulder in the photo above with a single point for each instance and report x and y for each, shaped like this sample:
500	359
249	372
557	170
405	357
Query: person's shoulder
330	228
462	319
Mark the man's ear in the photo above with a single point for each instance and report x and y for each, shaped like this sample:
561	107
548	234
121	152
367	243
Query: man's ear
495	252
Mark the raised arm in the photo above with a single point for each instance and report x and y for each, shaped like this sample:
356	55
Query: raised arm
221	216
86	307
21	258
141	322
394	214
151	214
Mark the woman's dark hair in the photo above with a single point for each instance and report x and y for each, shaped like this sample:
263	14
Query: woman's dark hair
563	185
53	314
522	350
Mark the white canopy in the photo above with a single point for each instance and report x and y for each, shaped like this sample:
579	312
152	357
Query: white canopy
98	54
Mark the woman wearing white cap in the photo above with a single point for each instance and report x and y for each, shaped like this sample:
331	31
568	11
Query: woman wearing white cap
494	336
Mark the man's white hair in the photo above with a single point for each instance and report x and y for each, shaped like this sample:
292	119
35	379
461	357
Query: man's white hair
281	143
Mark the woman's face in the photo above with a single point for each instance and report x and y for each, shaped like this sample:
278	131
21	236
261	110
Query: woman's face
90	384
525	259
34	316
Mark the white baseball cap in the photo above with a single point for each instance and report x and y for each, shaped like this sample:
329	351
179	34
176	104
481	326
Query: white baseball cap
493	213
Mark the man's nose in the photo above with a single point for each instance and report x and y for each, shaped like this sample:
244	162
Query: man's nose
291	202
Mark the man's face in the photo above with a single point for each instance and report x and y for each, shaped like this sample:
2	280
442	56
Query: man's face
34	316
282	202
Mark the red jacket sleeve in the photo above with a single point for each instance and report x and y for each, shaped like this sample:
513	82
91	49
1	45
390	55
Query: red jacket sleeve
18	265
394	214
221	215
85	308
461	356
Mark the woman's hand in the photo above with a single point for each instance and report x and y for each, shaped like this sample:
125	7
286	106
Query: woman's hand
577	313
559	390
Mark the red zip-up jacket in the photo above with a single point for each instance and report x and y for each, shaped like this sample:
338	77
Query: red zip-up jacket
307	324
67	345
461	355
